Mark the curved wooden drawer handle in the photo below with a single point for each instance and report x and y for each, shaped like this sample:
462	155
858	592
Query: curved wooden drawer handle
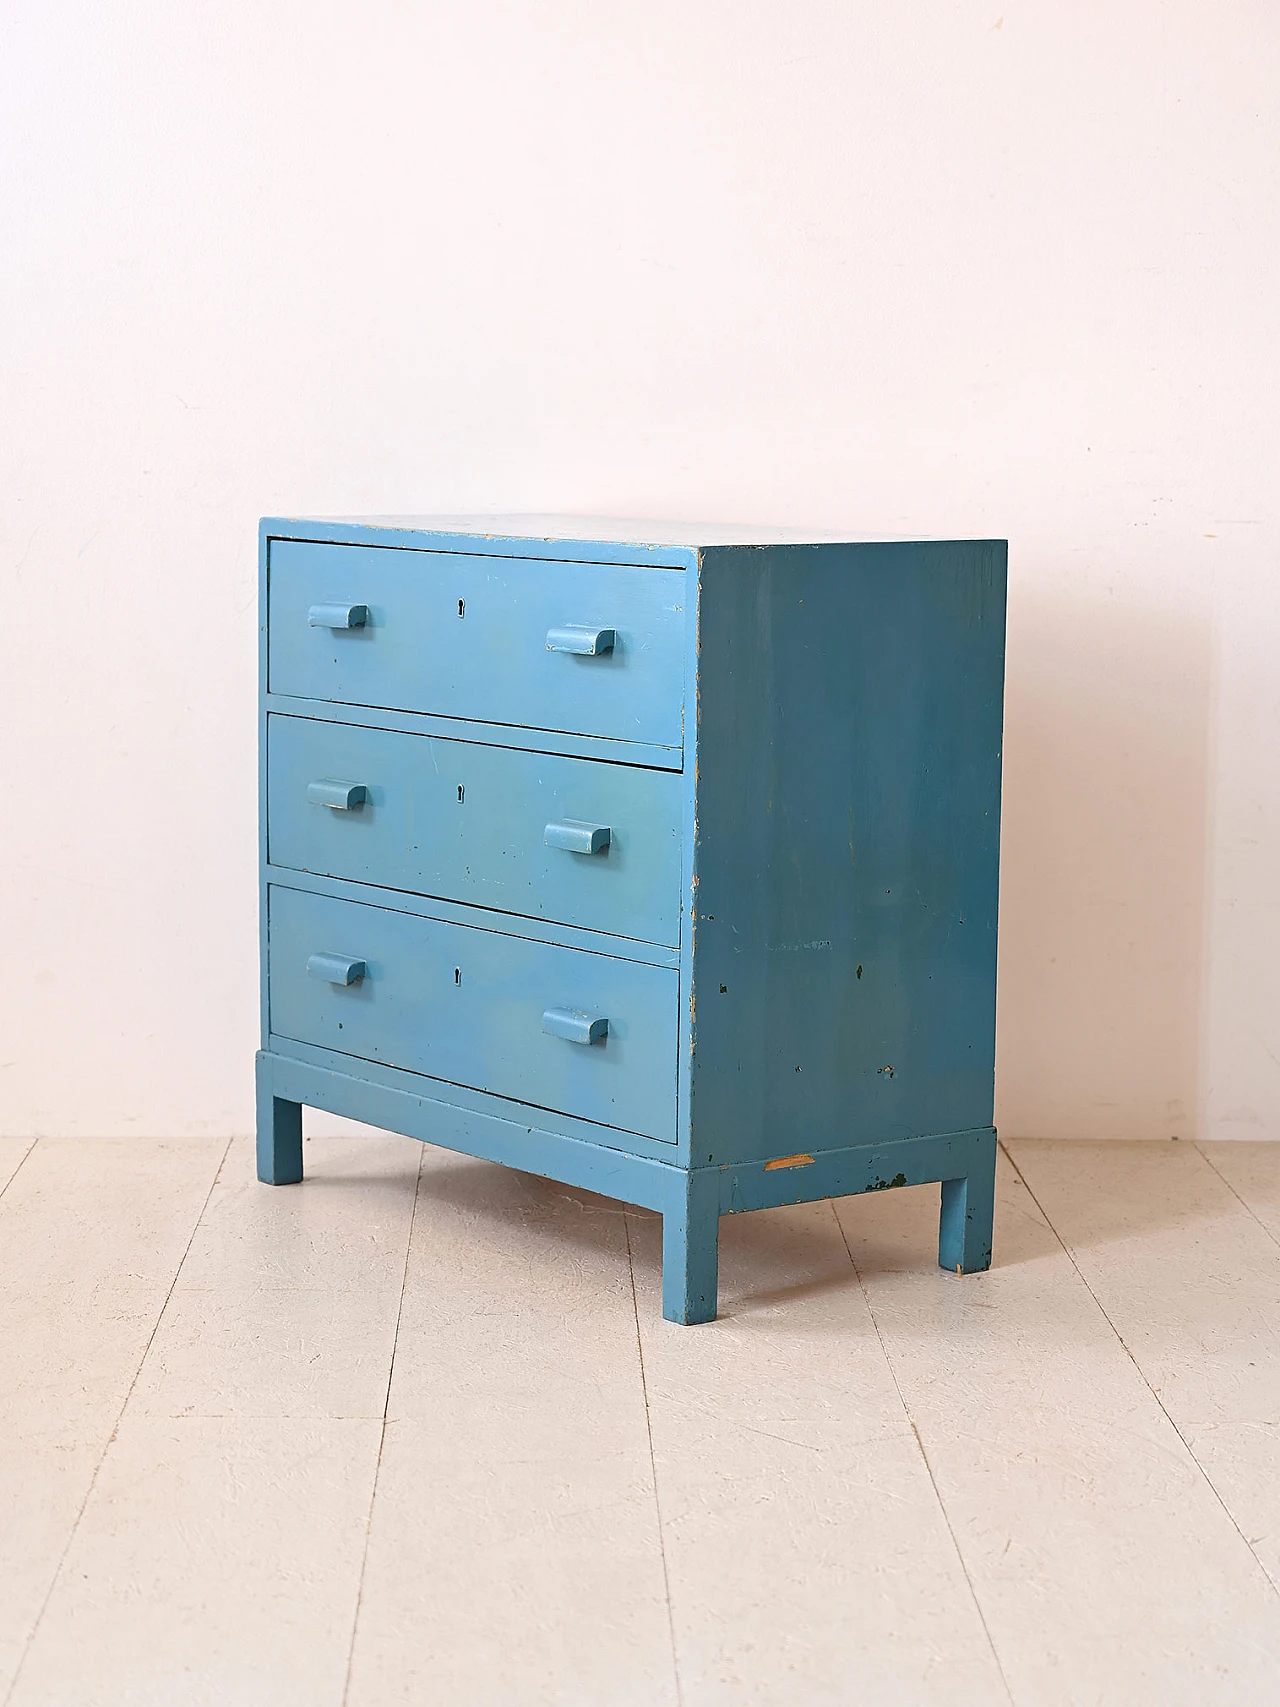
574	1025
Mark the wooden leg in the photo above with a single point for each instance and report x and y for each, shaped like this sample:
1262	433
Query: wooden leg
279	1132
690	1249
968	1208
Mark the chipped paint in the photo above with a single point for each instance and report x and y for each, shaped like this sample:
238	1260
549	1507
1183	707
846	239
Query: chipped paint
800	1161
887	1184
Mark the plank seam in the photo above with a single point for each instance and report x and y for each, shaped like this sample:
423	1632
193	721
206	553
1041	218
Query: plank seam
382	1433
653	1465
22	1162
115	1428
933	1480
1244	1204
1208	1480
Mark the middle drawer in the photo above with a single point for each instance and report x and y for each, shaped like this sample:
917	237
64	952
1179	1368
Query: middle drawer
495	826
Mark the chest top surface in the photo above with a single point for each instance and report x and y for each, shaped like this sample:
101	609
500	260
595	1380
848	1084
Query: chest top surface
619	538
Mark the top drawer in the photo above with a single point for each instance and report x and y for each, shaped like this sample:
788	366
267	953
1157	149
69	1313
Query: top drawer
468	637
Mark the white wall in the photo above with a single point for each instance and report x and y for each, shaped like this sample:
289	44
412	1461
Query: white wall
905	267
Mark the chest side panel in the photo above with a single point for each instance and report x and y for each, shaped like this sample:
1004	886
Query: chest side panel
844	935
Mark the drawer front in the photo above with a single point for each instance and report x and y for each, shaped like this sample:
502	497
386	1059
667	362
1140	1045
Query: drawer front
468	637
469	1006
473	823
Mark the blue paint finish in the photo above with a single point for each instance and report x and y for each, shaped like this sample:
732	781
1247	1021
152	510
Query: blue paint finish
575	836
509	924
856	1168
504	735
337	968
490	844
574	1025
968	1207
279	1130
477	1106
690	1248
583	642
734	946
413	653
531	539
340	796
493	1130
848	749
462	1004
496	1132
338	616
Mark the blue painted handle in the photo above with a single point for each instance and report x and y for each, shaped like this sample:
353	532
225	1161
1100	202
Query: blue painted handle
587	642
338	616
336	968
576	836
342	796
574	1026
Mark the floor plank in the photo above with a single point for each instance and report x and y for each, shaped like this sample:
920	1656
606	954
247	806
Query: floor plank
216	1565
92	1232
13	1152
262	1392
346	1225
1191	1279
518	1546
1252	1170
1106	1569
287	1303
808	1557
514	1552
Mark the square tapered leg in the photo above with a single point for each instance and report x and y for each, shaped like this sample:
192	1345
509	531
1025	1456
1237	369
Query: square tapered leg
279	1132
968	1210
690	1248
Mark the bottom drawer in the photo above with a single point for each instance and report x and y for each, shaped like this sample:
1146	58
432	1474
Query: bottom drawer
469	1006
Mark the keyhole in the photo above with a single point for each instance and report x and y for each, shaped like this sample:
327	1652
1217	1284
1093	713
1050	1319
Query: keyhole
461	792
462	607
457	974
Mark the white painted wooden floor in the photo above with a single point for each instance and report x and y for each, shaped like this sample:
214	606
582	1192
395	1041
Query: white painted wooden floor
415	1431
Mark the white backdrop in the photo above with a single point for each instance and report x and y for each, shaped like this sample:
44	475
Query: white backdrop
899	267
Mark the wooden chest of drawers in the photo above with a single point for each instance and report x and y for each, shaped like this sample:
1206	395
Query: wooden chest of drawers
647	859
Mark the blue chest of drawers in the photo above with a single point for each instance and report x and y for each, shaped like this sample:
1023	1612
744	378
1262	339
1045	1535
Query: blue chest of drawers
652	860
